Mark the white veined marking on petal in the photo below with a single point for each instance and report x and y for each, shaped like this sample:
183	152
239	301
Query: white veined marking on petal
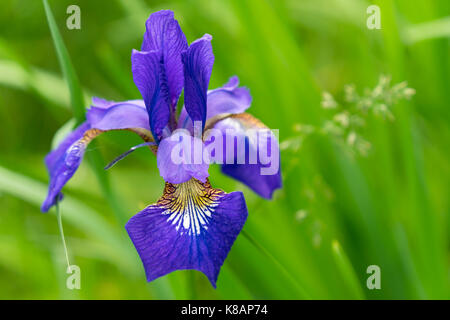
186	221
190	209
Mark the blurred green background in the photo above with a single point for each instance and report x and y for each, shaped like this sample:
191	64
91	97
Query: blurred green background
338	211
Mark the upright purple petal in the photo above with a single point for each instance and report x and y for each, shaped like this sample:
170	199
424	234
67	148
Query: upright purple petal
228	99
163	34
63	162
192	226
261	174
198	61
158	70
148	75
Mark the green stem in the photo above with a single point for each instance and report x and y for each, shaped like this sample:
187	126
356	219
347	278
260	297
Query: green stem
61	232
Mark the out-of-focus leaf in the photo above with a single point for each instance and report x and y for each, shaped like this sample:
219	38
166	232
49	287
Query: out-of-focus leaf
428	30
47	85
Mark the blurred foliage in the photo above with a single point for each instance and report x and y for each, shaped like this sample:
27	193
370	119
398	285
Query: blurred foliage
336	214
347	121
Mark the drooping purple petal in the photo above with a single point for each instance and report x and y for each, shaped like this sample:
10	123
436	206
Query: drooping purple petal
228	99
63	162
192	226
250	175
149	77
259	166
163	34
180	158
198	61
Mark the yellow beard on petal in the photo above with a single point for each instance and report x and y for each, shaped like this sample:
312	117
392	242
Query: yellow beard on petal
91	134
190	205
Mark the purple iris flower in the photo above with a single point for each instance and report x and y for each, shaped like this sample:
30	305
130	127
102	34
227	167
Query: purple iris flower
192	226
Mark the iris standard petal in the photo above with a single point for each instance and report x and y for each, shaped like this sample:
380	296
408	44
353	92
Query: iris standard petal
229	99
180	158
149	77
198	61
260	165
163	34
63	162
192	226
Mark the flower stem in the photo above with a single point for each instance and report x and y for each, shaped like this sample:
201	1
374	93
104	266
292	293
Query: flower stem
61	232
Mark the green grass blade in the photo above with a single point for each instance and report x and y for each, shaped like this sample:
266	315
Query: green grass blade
347	272
76	94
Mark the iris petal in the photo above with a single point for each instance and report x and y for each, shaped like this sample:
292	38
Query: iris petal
122	115
163	34
192	226
158	70
198	61
228	99
149	77
63	162
248	173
